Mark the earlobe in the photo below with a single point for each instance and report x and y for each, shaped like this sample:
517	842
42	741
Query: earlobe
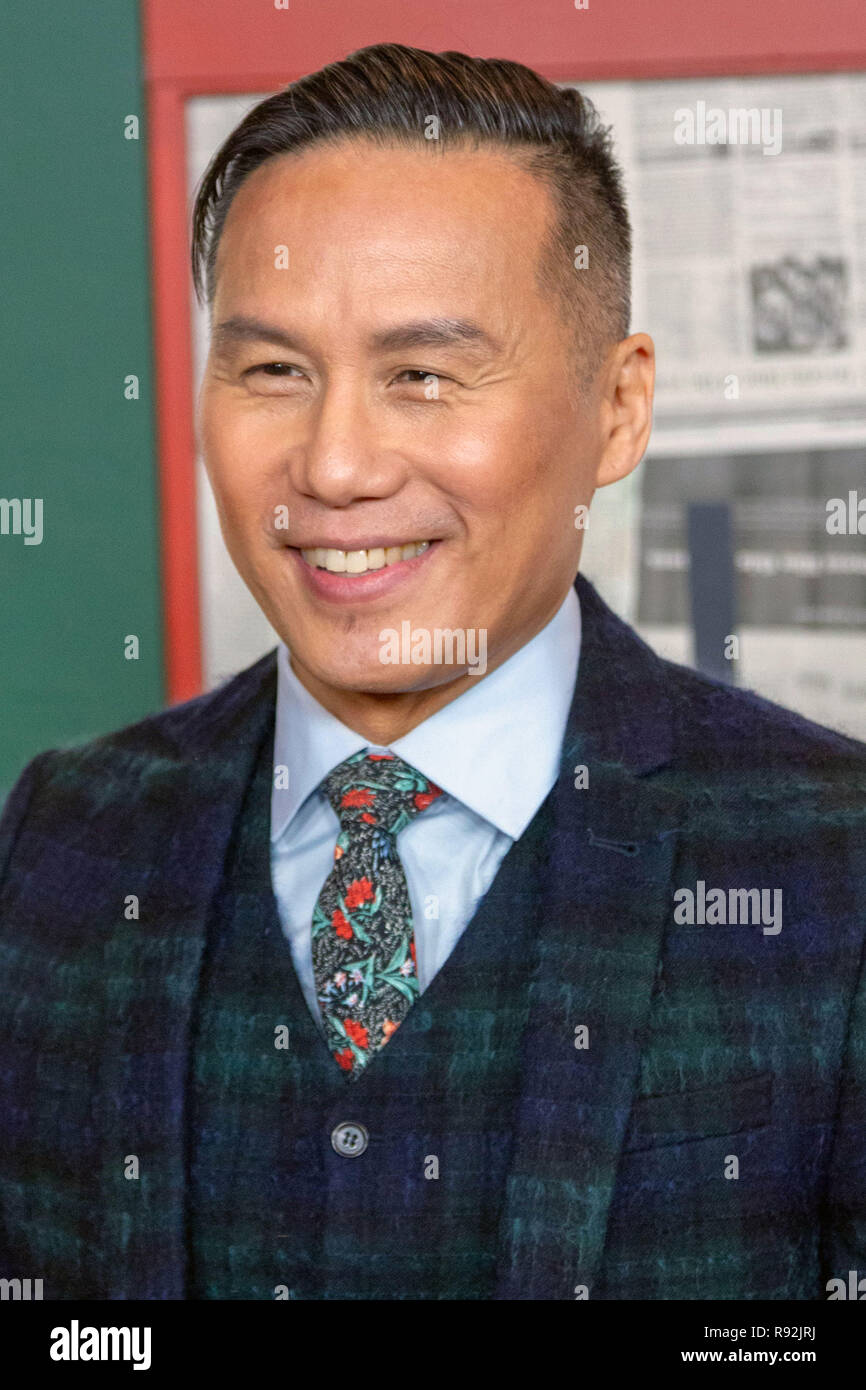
616	465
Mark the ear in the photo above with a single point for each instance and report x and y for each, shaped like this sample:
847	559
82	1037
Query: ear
627	381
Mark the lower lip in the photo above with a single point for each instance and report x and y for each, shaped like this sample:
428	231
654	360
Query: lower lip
360	588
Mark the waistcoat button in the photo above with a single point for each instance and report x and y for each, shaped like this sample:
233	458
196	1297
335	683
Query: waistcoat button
350	1140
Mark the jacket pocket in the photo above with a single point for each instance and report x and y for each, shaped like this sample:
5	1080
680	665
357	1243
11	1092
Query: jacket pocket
727	1108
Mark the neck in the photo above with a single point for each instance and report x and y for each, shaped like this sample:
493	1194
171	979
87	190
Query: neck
382	718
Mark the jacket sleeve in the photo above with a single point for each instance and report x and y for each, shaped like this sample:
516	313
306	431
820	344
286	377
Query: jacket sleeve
15	810
844	1244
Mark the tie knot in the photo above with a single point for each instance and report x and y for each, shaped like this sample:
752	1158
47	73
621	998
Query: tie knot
379	790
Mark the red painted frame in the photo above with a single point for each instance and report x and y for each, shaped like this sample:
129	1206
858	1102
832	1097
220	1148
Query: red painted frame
209	47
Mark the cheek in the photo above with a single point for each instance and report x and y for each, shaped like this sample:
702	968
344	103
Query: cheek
221	454
236	461
513	475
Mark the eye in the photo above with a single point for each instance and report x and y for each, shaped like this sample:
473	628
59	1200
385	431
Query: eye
271	378
273	368
423	376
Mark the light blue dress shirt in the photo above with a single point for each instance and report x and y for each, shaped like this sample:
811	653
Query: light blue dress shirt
494	751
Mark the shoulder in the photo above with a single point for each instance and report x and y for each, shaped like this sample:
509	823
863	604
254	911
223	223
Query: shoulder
749	767
703	725
716	720
140	764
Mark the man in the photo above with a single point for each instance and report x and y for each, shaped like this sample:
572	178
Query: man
461	948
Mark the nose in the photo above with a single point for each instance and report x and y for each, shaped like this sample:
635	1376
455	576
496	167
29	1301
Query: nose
343	457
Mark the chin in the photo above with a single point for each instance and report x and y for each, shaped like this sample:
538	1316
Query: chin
375	680
372	678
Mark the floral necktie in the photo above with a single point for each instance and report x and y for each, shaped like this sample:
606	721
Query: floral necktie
363	940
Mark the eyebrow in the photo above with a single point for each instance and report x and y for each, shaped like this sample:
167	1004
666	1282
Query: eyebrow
240	329
463	334
435	332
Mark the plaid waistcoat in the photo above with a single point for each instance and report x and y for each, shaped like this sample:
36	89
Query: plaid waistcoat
272	1205
698	1044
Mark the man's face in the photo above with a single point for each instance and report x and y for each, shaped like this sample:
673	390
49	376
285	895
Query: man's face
384	370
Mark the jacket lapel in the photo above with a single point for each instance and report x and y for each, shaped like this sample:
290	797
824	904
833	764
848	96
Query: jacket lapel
607	898
191	798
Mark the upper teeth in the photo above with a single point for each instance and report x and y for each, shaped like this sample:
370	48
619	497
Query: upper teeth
359	561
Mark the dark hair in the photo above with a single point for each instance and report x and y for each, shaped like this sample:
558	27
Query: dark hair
388	93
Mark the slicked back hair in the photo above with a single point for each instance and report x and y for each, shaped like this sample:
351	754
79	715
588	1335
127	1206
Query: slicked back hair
394	95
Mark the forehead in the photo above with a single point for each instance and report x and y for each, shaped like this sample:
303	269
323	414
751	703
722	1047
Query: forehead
385	218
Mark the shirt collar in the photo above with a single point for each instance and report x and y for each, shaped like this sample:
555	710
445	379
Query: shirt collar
496	747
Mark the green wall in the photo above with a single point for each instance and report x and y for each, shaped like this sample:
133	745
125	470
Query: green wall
76	321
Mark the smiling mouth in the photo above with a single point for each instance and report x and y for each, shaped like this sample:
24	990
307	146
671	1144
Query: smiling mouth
363	561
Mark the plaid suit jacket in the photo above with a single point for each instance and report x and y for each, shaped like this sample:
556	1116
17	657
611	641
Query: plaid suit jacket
692	1115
